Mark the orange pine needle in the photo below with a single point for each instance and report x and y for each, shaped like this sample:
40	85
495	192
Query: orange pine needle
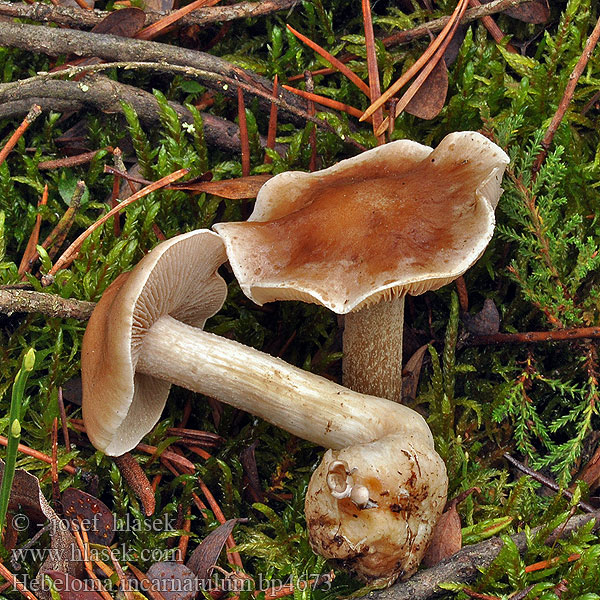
34	238
199	451
54	464
420	62
152	31
31	116
311	110
546	564
38	455
70	254
150	588
235	557
12	579
340	66
272	132
328	102
418	82
184	539
244	141
82	4
374	85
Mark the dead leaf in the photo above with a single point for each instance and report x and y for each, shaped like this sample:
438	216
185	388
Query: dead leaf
451	53
72	588
248	460
73	4
159	5
485	322
125	22
431	96
411	373
446	539
173	580
26	496
96	516
205	556
591	472
232	189
536	11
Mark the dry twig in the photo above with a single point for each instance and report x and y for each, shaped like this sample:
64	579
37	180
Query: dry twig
465	566
556	335
34	112
27	301
38	455
78	18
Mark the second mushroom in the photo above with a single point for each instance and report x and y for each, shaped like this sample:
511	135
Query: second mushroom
357	237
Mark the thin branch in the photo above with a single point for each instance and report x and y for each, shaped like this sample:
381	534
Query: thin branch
215	72
31	116
243	134
81	19
16	584
465	566
549	483
557	335
104	94
37	455
27	301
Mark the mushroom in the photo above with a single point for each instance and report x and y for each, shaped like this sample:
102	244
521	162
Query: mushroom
373	501
358	236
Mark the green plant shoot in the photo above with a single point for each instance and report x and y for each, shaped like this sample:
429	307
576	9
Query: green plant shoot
14	432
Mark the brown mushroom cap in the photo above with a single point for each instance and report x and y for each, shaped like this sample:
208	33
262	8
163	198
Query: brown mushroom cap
401	218
178	278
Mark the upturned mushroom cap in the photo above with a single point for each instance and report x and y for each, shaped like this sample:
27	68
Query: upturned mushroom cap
401	218
178	278
373	506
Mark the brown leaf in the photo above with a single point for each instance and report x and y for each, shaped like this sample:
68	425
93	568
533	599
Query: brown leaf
429	100
26	496
174	580
72	588
455	45
96	516
536	11
411	373
232	189
125	22
248	460
447	538
159	5
205	556
591	472
485	322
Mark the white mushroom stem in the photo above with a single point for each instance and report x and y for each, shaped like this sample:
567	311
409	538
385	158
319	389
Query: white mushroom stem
308	406
372	362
